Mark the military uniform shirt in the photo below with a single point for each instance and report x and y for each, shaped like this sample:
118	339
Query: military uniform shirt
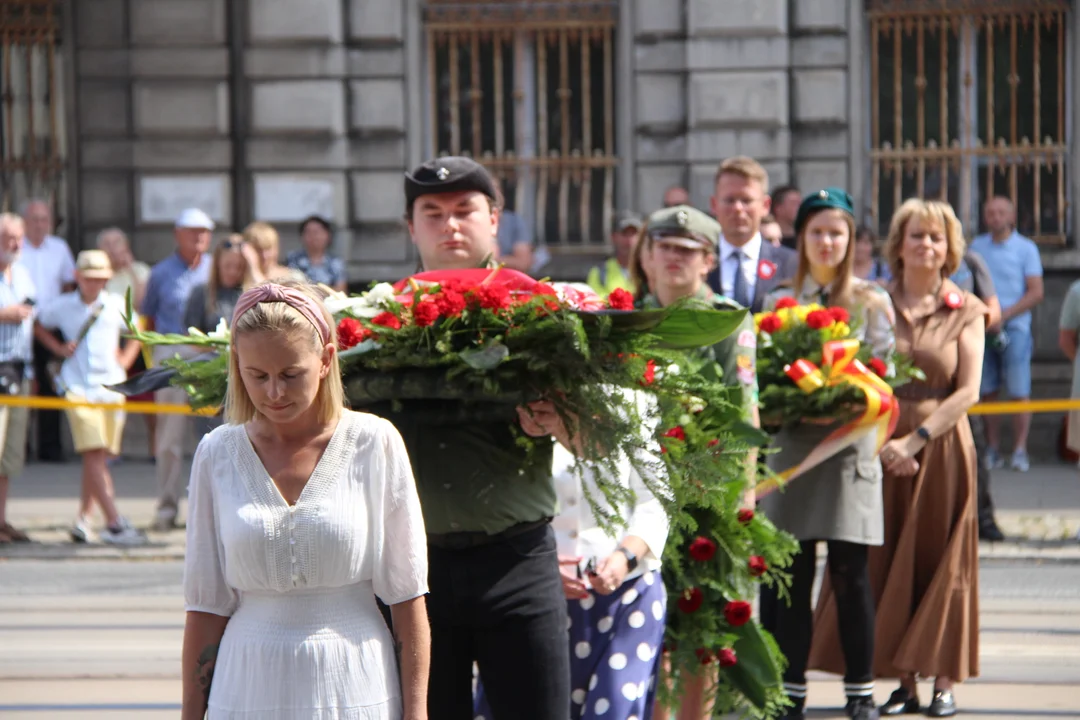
736	355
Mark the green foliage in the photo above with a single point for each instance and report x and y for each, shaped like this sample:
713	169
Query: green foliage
688	439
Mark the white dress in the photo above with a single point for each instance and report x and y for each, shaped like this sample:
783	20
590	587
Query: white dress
305	638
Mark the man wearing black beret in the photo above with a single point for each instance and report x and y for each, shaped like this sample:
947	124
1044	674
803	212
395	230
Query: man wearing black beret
496	591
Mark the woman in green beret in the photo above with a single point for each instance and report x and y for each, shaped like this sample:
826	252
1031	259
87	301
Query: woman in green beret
840	500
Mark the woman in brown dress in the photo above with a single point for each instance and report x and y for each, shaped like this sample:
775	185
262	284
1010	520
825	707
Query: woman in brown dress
925	577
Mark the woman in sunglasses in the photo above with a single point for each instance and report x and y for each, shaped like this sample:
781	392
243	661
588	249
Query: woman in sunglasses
230	275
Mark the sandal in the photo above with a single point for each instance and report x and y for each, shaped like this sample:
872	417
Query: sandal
13	534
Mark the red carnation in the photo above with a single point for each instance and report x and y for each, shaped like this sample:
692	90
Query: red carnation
746	515
705	656
839	314
620	299
819	319
350	333
771	323
450	303
726	657
691	600
879	367
650	373
713	443
676	433
737	612
786	302
757	565
387	320
544	289
425	313
702	549
493	297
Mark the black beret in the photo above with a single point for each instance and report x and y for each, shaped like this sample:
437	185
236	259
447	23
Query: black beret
448	175
830	198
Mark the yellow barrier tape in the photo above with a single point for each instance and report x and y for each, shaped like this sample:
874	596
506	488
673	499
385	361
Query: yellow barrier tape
35	402
1024	406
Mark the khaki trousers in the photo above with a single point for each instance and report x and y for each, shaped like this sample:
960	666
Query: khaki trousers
171	438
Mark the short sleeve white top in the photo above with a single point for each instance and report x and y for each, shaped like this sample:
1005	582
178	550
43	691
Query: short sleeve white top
298	583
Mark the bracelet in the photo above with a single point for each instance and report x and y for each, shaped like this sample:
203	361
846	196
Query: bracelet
923	433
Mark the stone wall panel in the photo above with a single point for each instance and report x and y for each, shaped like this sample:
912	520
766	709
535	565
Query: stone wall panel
294	106
181	107
295	21
177	22
734	99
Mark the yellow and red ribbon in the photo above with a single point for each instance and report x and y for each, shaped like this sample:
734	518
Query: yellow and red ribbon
841	367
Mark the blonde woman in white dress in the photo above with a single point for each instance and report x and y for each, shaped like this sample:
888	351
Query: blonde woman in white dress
300	514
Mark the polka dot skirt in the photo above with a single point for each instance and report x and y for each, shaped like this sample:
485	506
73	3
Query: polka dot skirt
615	645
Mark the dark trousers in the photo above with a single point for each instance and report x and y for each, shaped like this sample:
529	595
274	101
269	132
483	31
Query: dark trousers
49	443
986	503
501	606
793	623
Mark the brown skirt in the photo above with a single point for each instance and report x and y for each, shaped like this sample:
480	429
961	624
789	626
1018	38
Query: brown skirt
925	578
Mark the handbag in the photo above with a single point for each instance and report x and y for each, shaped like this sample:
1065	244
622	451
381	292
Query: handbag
55	365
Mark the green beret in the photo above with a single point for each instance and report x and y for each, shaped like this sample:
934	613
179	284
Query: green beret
830	198
682	221
448	175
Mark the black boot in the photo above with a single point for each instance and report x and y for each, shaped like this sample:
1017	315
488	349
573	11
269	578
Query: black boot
901	702
989	531
862	708
795	711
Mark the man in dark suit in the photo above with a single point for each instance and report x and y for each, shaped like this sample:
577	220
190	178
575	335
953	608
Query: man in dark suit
747	269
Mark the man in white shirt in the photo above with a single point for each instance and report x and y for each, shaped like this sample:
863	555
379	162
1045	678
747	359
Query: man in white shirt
51	266
748	269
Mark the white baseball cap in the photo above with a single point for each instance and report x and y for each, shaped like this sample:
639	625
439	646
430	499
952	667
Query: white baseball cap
194	218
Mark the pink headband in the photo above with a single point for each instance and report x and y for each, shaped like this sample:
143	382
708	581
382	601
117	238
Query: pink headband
295	299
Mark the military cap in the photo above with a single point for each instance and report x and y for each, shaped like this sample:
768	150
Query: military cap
448	175
689	225
628	219
830	198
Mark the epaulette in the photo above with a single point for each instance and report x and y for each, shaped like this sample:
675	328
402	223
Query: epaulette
724	303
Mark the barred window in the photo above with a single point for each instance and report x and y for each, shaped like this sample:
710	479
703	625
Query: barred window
969	99
528	90
32	144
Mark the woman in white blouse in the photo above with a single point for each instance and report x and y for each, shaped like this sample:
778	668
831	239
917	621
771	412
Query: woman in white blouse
616	601
300	514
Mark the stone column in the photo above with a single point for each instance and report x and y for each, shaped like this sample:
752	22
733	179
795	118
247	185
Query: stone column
660	100
737	77
153	116
297	149
378	145
820	110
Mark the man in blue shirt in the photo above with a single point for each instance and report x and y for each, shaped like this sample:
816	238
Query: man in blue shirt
170	285
1017	272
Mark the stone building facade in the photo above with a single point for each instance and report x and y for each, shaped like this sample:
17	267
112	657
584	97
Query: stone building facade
271	109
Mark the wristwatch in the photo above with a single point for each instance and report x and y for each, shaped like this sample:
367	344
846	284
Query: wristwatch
631	558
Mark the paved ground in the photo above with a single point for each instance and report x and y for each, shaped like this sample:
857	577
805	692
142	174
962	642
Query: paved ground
1039	510
91	632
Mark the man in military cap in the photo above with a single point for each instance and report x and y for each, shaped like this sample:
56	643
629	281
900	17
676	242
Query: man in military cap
683	242
496	592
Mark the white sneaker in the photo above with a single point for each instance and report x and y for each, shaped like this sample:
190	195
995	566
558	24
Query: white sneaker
126	536
165	520
1020	461
80	531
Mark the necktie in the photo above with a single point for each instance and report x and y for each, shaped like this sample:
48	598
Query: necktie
740	289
